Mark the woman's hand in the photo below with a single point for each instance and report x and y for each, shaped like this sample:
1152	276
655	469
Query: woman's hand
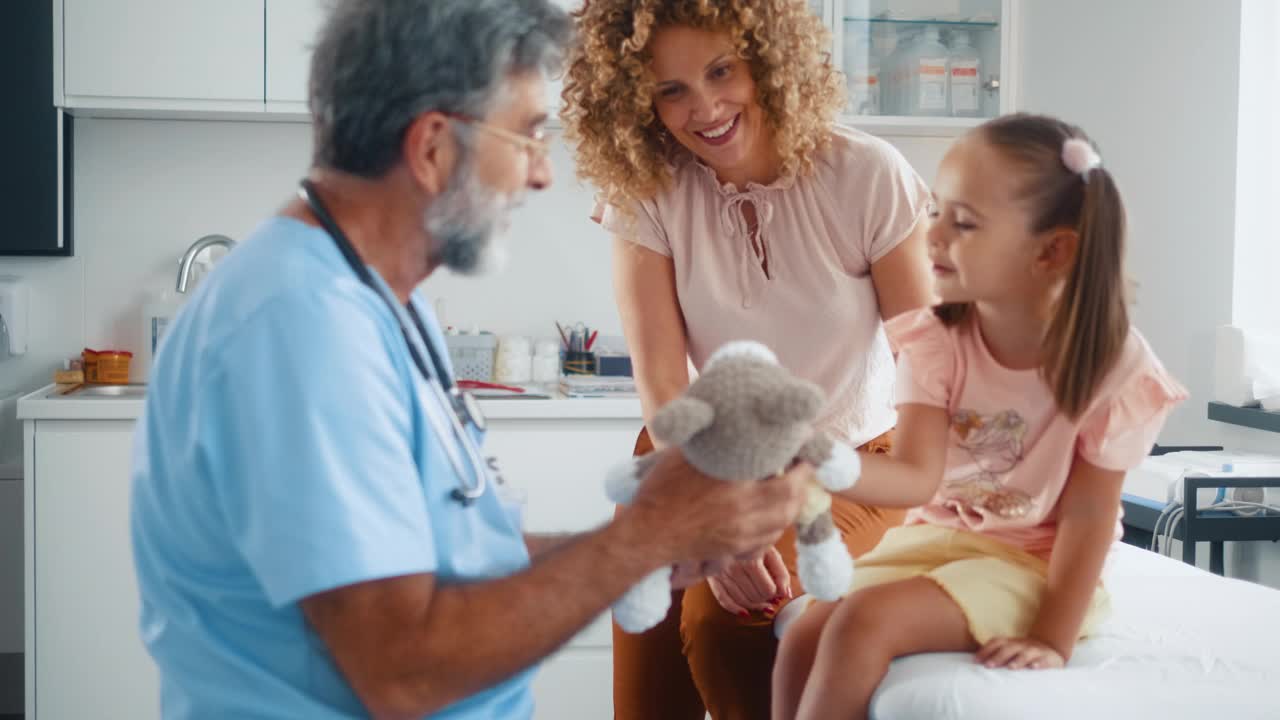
759	583
1019	654
689	573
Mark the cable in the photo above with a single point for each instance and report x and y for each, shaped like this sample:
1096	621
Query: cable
1174	513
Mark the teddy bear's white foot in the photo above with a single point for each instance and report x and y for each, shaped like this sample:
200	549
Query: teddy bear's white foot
825	568
840	471
623	480
645	604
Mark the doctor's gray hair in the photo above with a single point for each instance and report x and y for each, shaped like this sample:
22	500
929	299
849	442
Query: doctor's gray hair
378	64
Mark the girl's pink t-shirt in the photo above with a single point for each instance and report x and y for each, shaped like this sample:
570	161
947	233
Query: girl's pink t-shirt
1009	449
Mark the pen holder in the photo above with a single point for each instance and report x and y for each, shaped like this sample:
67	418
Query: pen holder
579	362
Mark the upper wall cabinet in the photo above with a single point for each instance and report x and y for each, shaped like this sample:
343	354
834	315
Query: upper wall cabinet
912	67
922	67
194	55
291	33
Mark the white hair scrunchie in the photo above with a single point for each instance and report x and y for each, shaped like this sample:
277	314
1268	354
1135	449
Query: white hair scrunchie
1080	157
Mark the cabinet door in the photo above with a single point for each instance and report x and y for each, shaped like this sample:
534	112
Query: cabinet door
194	50
32	135
291	33
10	567
923	67
561	466
89	658
555	83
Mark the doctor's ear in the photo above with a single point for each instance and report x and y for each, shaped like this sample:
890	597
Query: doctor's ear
430	149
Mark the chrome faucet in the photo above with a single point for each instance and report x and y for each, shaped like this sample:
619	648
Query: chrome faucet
189	257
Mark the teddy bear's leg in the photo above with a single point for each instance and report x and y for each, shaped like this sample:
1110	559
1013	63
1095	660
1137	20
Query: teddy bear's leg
823	562
838	465
645	604
623	480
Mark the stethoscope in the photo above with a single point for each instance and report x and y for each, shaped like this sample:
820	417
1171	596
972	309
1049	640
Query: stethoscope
465	409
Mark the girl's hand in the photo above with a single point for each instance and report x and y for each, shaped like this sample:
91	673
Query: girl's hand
755	584
1019	654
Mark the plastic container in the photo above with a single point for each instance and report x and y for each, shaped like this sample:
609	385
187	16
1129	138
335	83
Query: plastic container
883	43
928	61
514	360
472	356
157	312
546	362
894	78
966	76
107	367
579	362
862	77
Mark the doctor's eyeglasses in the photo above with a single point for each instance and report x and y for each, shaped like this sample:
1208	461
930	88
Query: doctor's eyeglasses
537	147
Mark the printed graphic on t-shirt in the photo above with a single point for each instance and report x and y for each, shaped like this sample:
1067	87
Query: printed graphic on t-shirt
995	444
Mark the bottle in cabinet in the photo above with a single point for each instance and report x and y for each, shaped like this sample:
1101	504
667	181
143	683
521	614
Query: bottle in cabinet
965	76
928	63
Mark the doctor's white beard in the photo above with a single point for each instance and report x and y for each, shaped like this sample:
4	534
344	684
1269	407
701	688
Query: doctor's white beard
466	221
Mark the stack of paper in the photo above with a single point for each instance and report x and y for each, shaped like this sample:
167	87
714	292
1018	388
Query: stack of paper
597	386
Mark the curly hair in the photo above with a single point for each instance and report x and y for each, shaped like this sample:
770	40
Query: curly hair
609	88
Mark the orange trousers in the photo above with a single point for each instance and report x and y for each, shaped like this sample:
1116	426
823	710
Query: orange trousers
702	658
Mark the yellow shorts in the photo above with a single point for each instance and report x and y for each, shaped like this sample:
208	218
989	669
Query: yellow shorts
997	586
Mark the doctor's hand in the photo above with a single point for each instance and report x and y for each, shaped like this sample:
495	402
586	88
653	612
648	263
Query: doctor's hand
693	572
682	514
759	582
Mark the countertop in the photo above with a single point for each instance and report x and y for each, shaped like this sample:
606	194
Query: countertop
39	405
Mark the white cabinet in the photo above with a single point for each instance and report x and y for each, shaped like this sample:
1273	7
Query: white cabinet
161	54
88	659
291	32
923	67
85	657
561	465
251	58
10	567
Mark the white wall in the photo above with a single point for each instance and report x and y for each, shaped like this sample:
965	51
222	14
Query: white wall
1154	82
1158	85
1257	246
144	190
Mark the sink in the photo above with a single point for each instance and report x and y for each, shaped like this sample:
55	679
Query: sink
106	391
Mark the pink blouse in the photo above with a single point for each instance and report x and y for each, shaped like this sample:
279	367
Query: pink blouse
816	305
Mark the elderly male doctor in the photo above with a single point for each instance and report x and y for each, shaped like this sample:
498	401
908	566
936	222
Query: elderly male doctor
314	529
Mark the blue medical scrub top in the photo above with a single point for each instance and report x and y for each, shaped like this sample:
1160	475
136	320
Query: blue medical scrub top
286	449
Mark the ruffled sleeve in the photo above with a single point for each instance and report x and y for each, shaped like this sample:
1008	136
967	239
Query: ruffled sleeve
1119	430
926	358
641	226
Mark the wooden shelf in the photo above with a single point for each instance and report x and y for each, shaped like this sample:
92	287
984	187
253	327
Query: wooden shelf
1256	418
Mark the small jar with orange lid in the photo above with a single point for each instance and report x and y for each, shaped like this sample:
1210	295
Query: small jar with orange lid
107	367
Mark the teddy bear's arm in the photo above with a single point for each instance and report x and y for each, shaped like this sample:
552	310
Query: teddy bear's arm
681	419
837	463
624	479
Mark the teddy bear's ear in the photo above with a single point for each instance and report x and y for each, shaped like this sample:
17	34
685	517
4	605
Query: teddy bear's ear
789	403
681	419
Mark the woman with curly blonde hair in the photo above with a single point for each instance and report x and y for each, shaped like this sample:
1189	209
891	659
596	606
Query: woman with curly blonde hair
739	210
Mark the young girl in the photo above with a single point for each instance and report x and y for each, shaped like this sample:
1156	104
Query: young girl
1023	398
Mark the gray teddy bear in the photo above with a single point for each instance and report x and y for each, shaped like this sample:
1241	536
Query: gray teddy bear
746	418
